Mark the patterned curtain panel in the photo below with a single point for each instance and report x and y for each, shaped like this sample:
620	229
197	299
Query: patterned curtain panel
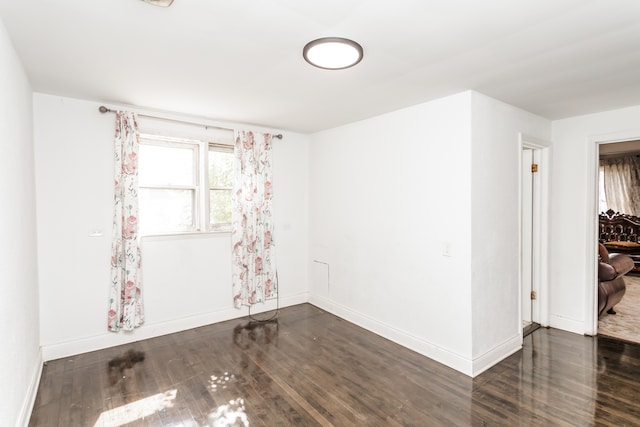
253	250
622	184
125	301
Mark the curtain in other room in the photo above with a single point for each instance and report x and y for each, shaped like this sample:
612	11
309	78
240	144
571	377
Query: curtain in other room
253	251
622	184
125	300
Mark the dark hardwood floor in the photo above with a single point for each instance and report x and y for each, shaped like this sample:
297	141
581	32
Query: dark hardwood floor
312	368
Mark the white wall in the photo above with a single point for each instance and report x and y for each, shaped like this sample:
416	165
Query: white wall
495	229
387	194
573	219
186	280
392	194
20	360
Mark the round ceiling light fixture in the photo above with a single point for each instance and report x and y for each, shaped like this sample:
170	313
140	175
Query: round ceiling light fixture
163	3
332	53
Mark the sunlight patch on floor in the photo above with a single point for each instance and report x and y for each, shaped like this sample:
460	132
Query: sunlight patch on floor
137	410
220	382
231	414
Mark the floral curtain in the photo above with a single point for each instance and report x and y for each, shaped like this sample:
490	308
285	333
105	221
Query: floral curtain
125	301
622	184
253	251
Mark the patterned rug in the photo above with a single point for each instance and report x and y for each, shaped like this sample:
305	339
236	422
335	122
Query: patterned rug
626	323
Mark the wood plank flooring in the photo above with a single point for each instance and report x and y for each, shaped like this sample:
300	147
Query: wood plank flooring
314	369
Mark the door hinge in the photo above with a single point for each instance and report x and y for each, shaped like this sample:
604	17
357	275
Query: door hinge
533	295
534	168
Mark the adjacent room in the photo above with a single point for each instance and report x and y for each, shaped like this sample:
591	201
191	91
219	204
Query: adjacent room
297	213
619	226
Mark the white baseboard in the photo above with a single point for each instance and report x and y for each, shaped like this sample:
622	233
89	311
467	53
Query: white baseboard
496	354
32	392
567	324
435	352
110	339
439	354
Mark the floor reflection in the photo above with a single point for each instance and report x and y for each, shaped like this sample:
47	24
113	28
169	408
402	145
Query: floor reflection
260	332
611	353
119	365
542	383
616	382
254	338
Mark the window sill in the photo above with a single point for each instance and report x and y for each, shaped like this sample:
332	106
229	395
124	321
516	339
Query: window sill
185	235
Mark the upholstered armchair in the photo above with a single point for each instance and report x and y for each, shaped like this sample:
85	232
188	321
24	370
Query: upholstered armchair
611	286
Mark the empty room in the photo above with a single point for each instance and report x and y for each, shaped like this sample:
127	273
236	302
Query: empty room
234	213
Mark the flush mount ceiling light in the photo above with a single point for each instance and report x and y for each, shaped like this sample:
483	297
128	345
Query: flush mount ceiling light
163	3
332	53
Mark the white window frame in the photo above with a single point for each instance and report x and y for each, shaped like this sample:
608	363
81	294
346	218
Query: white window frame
216	146
201	210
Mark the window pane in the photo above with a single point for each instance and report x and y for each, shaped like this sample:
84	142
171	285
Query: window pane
166	165
220	168
602	200
220	207
163	211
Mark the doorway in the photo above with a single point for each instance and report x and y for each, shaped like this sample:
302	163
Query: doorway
619	157
533	229
529	291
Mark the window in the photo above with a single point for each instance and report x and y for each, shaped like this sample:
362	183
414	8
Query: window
182	183
602	195
220	185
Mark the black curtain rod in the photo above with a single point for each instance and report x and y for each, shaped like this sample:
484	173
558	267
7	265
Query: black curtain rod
104	109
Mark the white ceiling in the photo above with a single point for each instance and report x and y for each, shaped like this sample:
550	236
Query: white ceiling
241	60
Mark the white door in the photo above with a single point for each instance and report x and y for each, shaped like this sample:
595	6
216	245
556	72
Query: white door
534	207
526	251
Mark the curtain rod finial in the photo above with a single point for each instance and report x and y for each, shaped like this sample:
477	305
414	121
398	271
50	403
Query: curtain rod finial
103	109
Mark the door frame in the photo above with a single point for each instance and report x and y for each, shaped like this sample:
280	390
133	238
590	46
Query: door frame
591	255
540	235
